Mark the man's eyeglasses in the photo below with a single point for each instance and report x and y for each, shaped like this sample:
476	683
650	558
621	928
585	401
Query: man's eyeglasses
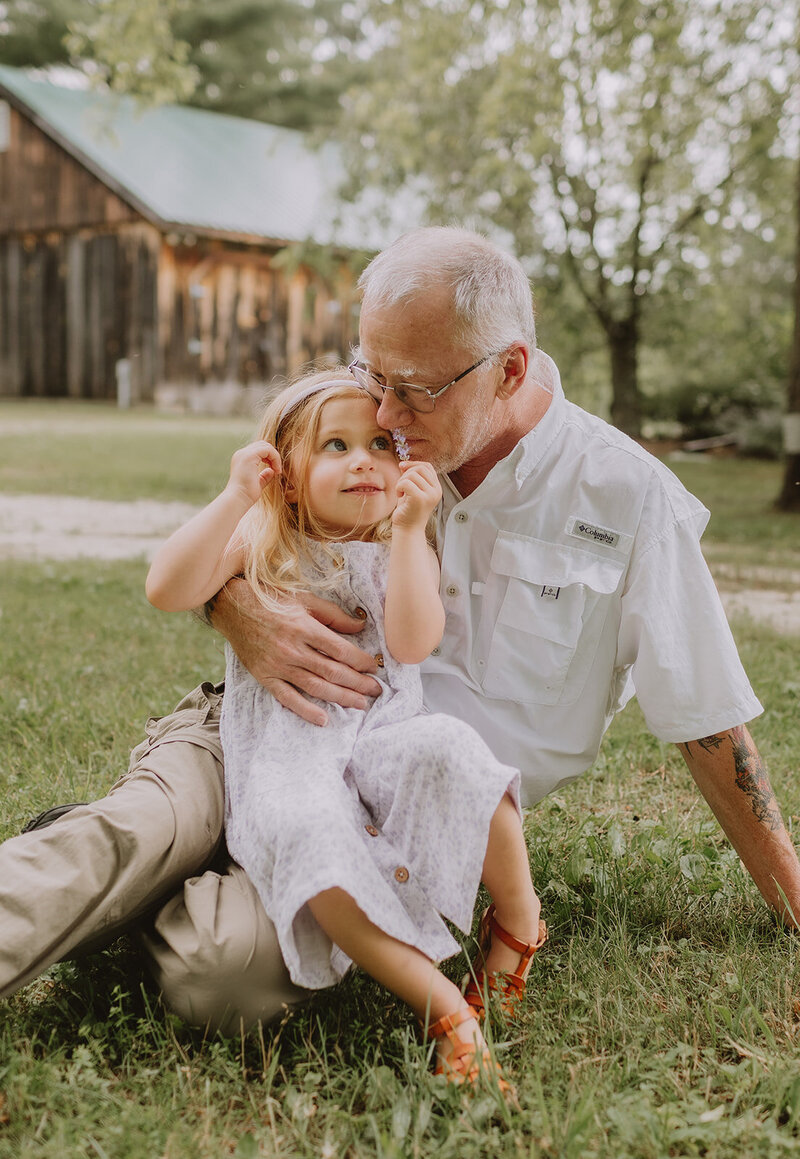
410	394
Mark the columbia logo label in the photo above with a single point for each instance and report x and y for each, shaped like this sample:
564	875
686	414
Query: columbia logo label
594	533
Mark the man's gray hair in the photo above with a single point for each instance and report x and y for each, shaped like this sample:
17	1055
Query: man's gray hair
491	291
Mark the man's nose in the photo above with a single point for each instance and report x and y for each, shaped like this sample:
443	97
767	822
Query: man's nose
391	412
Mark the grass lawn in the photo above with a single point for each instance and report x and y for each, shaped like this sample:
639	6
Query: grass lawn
95	450
664	1014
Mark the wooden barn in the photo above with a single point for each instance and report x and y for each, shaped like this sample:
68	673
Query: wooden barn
145	245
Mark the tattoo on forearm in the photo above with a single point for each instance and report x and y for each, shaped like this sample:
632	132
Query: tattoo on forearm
752	779
750	775
708	743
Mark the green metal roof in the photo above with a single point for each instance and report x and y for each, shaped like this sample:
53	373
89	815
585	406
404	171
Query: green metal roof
191	169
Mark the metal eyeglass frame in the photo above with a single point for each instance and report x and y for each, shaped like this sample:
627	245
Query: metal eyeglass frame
365	377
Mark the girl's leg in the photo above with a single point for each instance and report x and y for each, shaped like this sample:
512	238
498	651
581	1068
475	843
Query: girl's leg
507	876
404	970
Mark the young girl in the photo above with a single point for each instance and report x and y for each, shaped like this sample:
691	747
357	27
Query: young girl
362	835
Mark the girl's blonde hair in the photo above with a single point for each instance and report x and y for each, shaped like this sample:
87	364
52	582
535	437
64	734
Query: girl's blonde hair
275	531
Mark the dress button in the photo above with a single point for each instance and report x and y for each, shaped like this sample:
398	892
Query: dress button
401	873
360	613
373	832
452	590
379	659
461	517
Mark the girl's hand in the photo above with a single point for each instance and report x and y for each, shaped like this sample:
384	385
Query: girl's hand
418	493
251	469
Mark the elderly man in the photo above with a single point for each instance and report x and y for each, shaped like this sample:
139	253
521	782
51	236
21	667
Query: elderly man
572	578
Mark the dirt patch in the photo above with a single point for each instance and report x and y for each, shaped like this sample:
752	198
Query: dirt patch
779	610
38	527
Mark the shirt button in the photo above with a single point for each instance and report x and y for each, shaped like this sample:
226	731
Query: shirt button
360	613
373	832
461	517
452	590
379	659
436	651
401	874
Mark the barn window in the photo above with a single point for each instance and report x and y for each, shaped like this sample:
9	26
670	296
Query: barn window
5	126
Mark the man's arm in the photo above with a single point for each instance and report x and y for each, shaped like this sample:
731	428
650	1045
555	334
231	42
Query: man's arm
297	650
731	776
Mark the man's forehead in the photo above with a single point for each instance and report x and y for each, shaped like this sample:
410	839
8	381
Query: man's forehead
409	339
409	360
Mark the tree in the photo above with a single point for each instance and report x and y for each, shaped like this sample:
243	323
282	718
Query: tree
284	62
596	134
133	49
789	498
32	34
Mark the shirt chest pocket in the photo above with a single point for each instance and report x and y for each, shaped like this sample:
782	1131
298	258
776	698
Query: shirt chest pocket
544	609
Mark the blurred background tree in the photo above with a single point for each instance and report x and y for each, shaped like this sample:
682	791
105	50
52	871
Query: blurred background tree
789	498
285	61
638	155
603	138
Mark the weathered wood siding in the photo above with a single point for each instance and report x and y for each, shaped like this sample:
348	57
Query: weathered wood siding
43	188
226	314
72	305
85	281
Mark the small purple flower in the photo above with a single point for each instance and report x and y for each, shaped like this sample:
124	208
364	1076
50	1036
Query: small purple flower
401	446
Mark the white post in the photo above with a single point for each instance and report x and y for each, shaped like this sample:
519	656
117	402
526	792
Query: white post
123	373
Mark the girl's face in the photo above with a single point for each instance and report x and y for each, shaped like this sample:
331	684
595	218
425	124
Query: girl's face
353	471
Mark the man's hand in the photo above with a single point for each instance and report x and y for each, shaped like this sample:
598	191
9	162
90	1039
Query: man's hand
297	650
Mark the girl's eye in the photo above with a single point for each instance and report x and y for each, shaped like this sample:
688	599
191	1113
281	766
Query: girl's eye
335	445
381	443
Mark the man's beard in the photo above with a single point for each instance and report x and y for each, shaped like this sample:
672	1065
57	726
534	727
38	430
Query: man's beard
476	421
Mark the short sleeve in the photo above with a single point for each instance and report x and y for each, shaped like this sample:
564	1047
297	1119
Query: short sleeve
675	639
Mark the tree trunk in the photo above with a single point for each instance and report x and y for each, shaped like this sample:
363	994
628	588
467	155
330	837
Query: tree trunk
626	401
789	498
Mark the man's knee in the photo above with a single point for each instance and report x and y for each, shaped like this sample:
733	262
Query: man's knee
215	957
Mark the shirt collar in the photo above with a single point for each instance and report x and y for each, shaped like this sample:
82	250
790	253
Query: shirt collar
523	460
528	452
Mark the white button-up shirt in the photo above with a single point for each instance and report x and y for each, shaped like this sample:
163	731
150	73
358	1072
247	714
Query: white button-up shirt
572	578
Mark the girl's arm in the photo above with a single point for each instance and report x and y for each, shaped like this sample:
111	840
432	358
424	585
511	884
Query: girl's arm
202	555
413	613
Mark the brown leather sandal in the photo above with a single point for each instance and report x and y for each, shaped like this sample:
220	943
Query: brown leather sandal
510	987
467	1061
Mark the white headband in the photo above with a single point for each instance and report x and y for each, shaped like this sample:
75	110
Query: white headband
290	404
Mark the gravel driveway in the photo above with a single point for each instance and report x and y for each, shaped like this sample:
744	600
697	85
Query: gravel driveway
37	527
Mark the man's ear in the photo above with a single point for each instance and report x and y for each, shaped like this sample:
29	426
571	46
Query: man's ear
515	369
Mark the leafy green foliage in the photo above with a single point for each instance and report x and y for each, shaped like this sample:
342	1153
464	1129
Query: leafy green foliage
598	136
135	50
284	62
32	32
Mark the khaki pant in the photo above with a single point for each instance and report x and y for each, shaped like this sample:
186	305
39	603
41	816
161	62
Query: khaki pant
127	861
